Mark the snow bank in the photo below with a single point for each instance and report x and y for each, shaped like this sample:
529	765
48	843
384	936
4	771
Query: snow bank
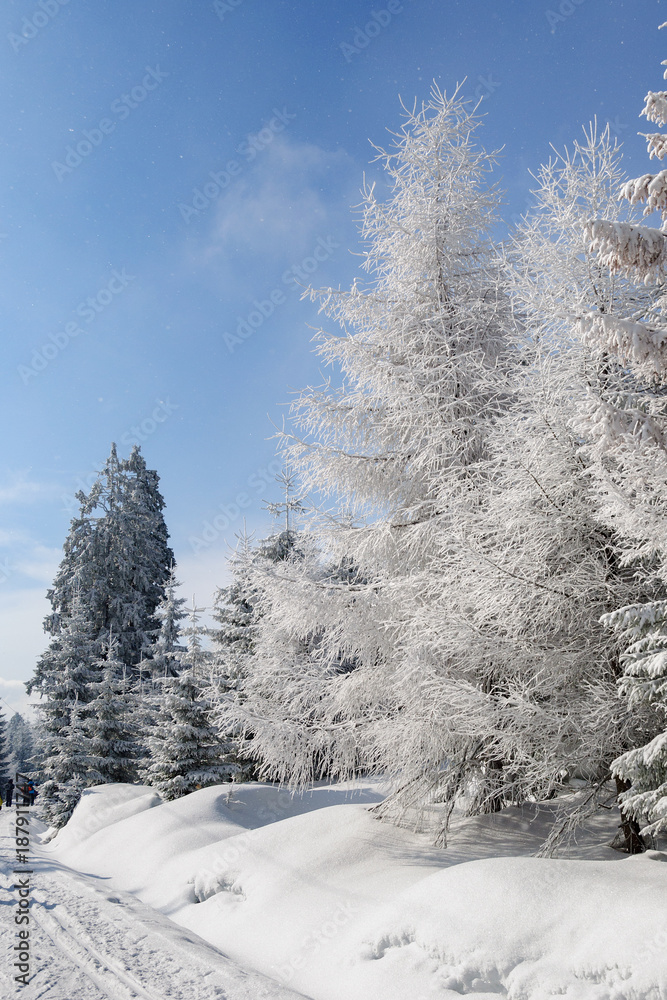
314	891
526	928
103	806
157	853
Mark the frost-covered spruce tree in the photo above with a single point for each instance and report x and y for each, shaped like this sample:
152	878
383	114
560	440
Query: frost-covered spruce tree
642	771
166	651
233	639
196	658
396	449
186	752
20	744
111	722
117	557
5	760
66	671
628	432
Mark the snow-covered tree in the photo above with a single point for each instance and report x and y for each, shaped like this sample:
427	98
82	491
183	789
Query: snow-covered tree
5	759
165	653
63	678
642	771
185	750
117	557
111	721
196	658
627	428
233	639
558	562
20	744
395	448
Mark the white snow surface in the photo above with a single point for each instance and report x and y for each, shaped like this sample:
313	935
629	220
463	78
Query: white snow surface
313	892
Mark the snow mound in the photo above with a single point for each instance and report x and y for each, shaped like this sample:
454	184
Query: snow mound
525	928
315	892
101	807
157	854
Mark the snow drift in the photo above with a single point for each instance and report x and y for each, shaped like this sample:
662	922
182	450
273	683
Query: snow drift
314	891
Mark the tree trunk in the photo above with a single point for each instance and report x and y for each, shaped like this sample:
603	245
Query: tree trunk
628	838
494	801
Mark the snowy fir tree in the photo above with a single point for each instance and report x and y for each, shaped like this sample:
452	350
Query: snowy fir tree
113	576
165	652
117	557
65	673
196	658
233	639
628	446
111	722
163	658
185	750
20	744
642	629
5	759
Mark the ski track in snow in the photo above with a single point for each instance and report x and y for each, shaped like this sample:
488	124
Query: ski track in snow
87	944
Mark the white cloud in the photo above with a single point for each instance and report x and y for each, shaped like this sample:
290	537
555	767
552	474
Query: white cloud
40	565
293	193
19	489
23	638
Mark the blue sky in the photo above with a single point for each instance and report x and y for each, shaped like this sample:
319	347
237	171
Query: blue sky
169	175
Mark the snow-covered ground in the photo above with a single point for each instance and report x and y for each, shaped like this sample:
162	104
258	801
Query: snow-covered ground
89	941
319	898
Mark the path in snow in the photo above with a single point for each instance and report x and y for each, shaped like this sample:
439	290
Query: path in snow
92	944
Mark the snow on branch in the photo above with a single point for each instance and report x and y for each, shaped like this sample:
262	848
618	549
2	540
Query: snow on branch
649	188
657	144
655	108
609	425
635	344
624	247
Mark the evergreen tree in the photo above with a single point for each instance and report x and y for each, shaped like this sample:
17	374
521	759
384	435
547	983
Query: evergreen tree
109	726
627	430
185	751
20	744
233	645
196	658
66	672
117	558
5	760
165	653
642	771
